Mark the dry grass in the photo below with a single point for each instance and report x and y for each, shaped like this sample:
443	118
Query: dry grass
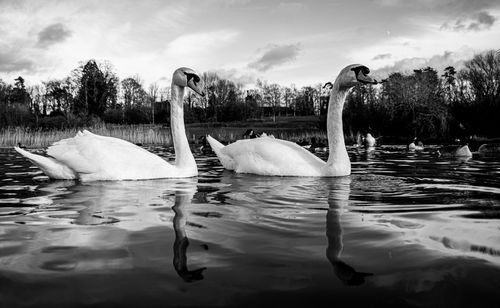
145	134
43	138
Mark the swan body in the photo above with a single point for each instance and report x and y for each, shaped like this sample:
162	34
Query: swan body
370	141
270	156
90	157
275	157
489	148
414	146
455	151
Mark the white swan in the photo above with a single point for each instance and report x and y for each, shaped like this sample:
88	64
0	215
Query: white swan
90	157
370	141
489	149
455	151
270	156
415	146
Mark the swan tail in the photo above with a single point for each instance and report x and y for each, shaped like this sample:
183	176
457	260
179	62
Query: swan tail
216	145
51	167
226	161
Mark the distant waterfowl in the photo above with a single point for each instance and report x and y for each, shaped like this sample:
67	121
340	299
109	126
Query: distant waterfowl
455	151
269	156
317	146
264	134
90	157
489	149
359	140
304	143
369	141
415	146
249	134
203	145
20	145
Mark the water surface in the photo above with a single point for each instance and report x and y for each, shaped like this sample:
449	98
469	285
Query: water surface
404	230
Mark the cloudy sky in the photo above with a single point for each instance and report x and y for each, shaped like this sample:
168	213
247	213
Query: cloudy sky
301	42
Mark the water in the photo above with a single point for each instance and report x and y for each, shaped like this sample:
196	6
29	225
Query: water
404	230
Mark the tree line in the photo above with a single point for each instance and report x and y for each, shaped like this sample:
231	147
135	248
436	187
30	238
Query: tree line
427	104
424	103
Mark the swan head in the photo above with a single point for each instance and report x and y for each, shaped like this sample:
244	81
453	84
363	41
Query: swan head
354	74
186	77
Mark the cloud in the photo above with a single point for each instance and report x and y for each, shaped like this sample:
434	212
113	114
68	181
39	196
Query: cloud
275	55
291	6
443	6
11	61
382	56
195	44
438	62
52	34
476	22
236	76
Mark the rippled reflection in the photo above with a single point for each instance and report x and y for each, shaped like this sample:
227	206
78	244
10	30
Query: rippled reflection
182	200
403	229
338	196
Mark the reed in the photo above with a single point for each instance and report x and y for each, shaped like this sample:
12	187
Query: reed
144	134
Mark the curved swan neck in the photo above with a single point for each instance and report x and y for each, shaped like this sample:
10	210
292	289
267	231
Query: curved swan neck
335	131
183	156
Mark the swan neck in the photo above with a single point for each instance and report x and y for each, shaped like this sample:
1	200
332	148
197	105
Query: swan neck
183	156
335	131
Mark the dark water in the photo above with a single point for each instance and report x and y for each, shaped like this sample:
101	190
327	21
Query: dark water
404	230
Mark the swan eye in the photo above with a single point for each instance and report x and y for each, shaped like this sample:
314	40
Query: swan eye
363	69
190	76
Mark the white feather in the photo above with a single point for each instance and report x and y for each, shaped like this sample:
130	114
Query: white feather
270	156
90	157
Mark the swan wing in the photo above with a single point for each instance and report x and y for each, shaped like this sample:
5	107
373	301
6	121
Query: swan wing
51	167
96	157
270	156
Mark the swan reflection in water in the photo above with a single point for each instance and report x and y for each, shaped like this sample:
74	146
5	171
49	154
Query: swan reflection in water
338	199
253	191
110	225
124	221
182	199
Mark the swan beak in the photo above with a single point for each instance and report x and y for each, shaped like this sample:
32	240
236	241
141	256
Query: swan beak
196	87
365	79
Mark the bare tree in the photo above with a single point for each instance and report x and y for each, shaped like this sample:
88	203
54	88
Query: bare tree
153	92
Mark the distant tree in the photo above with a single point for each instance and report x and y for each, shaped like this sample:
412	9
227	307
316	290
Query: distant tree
483	74
18	94
153	92
253	98
482	78
59	96
449	84
14	104
221	93
304	101
5	90
97	90
288	97
271	94
133	92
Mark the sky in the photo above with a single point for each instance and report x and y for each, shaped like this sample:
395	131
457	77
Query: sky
286	42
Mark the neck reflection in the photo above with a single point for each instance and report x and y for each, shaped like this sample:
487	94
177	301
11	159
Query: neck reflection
338	198
181	243
128	206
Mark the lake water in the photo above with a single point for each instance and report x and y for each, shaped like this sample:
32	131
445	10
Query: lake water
404	230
